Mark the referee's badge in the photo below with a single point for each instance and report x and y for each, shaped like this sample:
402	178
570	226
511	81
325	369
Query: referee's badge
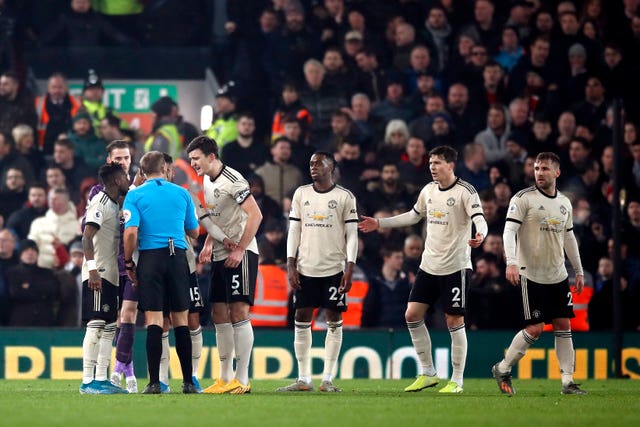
126	214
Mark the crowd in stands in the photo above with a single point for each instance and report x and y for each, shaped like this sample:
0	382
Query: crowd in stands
379	84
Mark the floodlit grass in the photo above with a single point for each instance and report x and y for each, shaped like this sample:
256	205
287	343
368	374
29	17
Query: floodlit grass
368	403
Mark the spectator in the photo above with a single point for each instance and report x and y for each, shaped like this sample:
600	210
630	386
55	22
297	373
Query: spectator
437	33
414	166
350	167
442	132
566	128
489	289
395	142
485	27
92	100
542	137
388	193
11	158
395	105
419	64
404	40
386	300
369	128
421	126
8	246
510	51
34	291
290	106
279	175
594	108
467	123
412	250
245	154
537	61
337	74
371	78
269	207
224	127
164	136
57	228
494	138
82	27
273	241
342	130
515	159
473	168
321	100
16	104
425	87
601	304
73	167
301	148
495	222
36	206
13	192
86	145
25	145
289	49
54	177
55	110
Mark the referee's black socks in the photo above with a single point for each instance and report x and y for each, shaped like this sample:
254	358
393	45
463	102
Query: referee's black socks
154	352
183	348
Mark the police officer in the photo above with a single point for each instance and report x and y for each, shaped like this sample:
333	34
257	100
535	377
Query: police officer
157	214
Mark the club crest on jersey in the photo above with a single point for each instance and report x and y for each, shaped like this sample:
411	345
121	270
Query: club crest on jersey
216	193
563	210
106	308
451	201
332	204
98	214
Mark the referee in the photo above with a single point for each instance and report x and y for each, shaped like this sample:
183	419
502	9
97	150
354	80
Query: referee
157	214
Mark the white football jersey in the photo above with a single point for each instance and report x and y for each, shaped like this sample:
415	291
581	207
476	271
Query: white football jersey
323	249
104	214
449	213
543	221
224	196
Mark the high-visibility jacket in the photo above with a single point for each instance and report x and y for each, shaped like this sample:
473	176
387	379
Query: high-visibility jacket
117	7
580	309
44	118
270	305
170	132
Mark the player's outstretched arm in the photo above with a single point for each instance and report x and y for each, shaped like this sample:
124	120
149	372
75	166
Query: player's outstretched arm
368	224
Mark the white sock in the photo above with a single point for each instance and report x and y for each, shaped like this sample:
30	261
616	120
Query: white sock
516	351
332	345
225	344
196	349
105	348
90	349
566	355
164	358
243	339
458	353
422	344
302	347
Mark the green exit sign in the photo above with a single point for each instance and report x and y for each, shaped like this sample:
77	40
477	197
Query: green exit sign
131	98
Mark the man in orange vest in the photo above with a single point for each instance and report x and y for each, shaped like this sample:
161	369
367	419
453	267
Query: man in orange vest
55	110
271	302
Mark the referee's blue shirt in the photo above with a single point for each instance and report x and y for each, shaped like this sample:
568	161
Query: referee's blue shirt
161	210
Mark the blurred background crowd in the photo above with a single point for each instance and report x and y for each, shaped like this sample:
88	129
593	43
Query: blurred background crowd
379	83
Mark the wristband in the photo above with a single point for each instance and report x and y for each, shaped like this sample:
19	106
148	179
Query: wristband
91	264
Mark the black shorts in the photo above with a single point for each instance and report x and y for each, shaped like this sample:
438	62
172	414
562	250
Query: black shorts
428	288
195	295
102	304
323	292
163	280
238	284
543	303
127	291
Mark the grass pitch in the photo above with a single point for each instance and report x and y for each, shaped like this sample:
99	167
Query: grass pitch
367	403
